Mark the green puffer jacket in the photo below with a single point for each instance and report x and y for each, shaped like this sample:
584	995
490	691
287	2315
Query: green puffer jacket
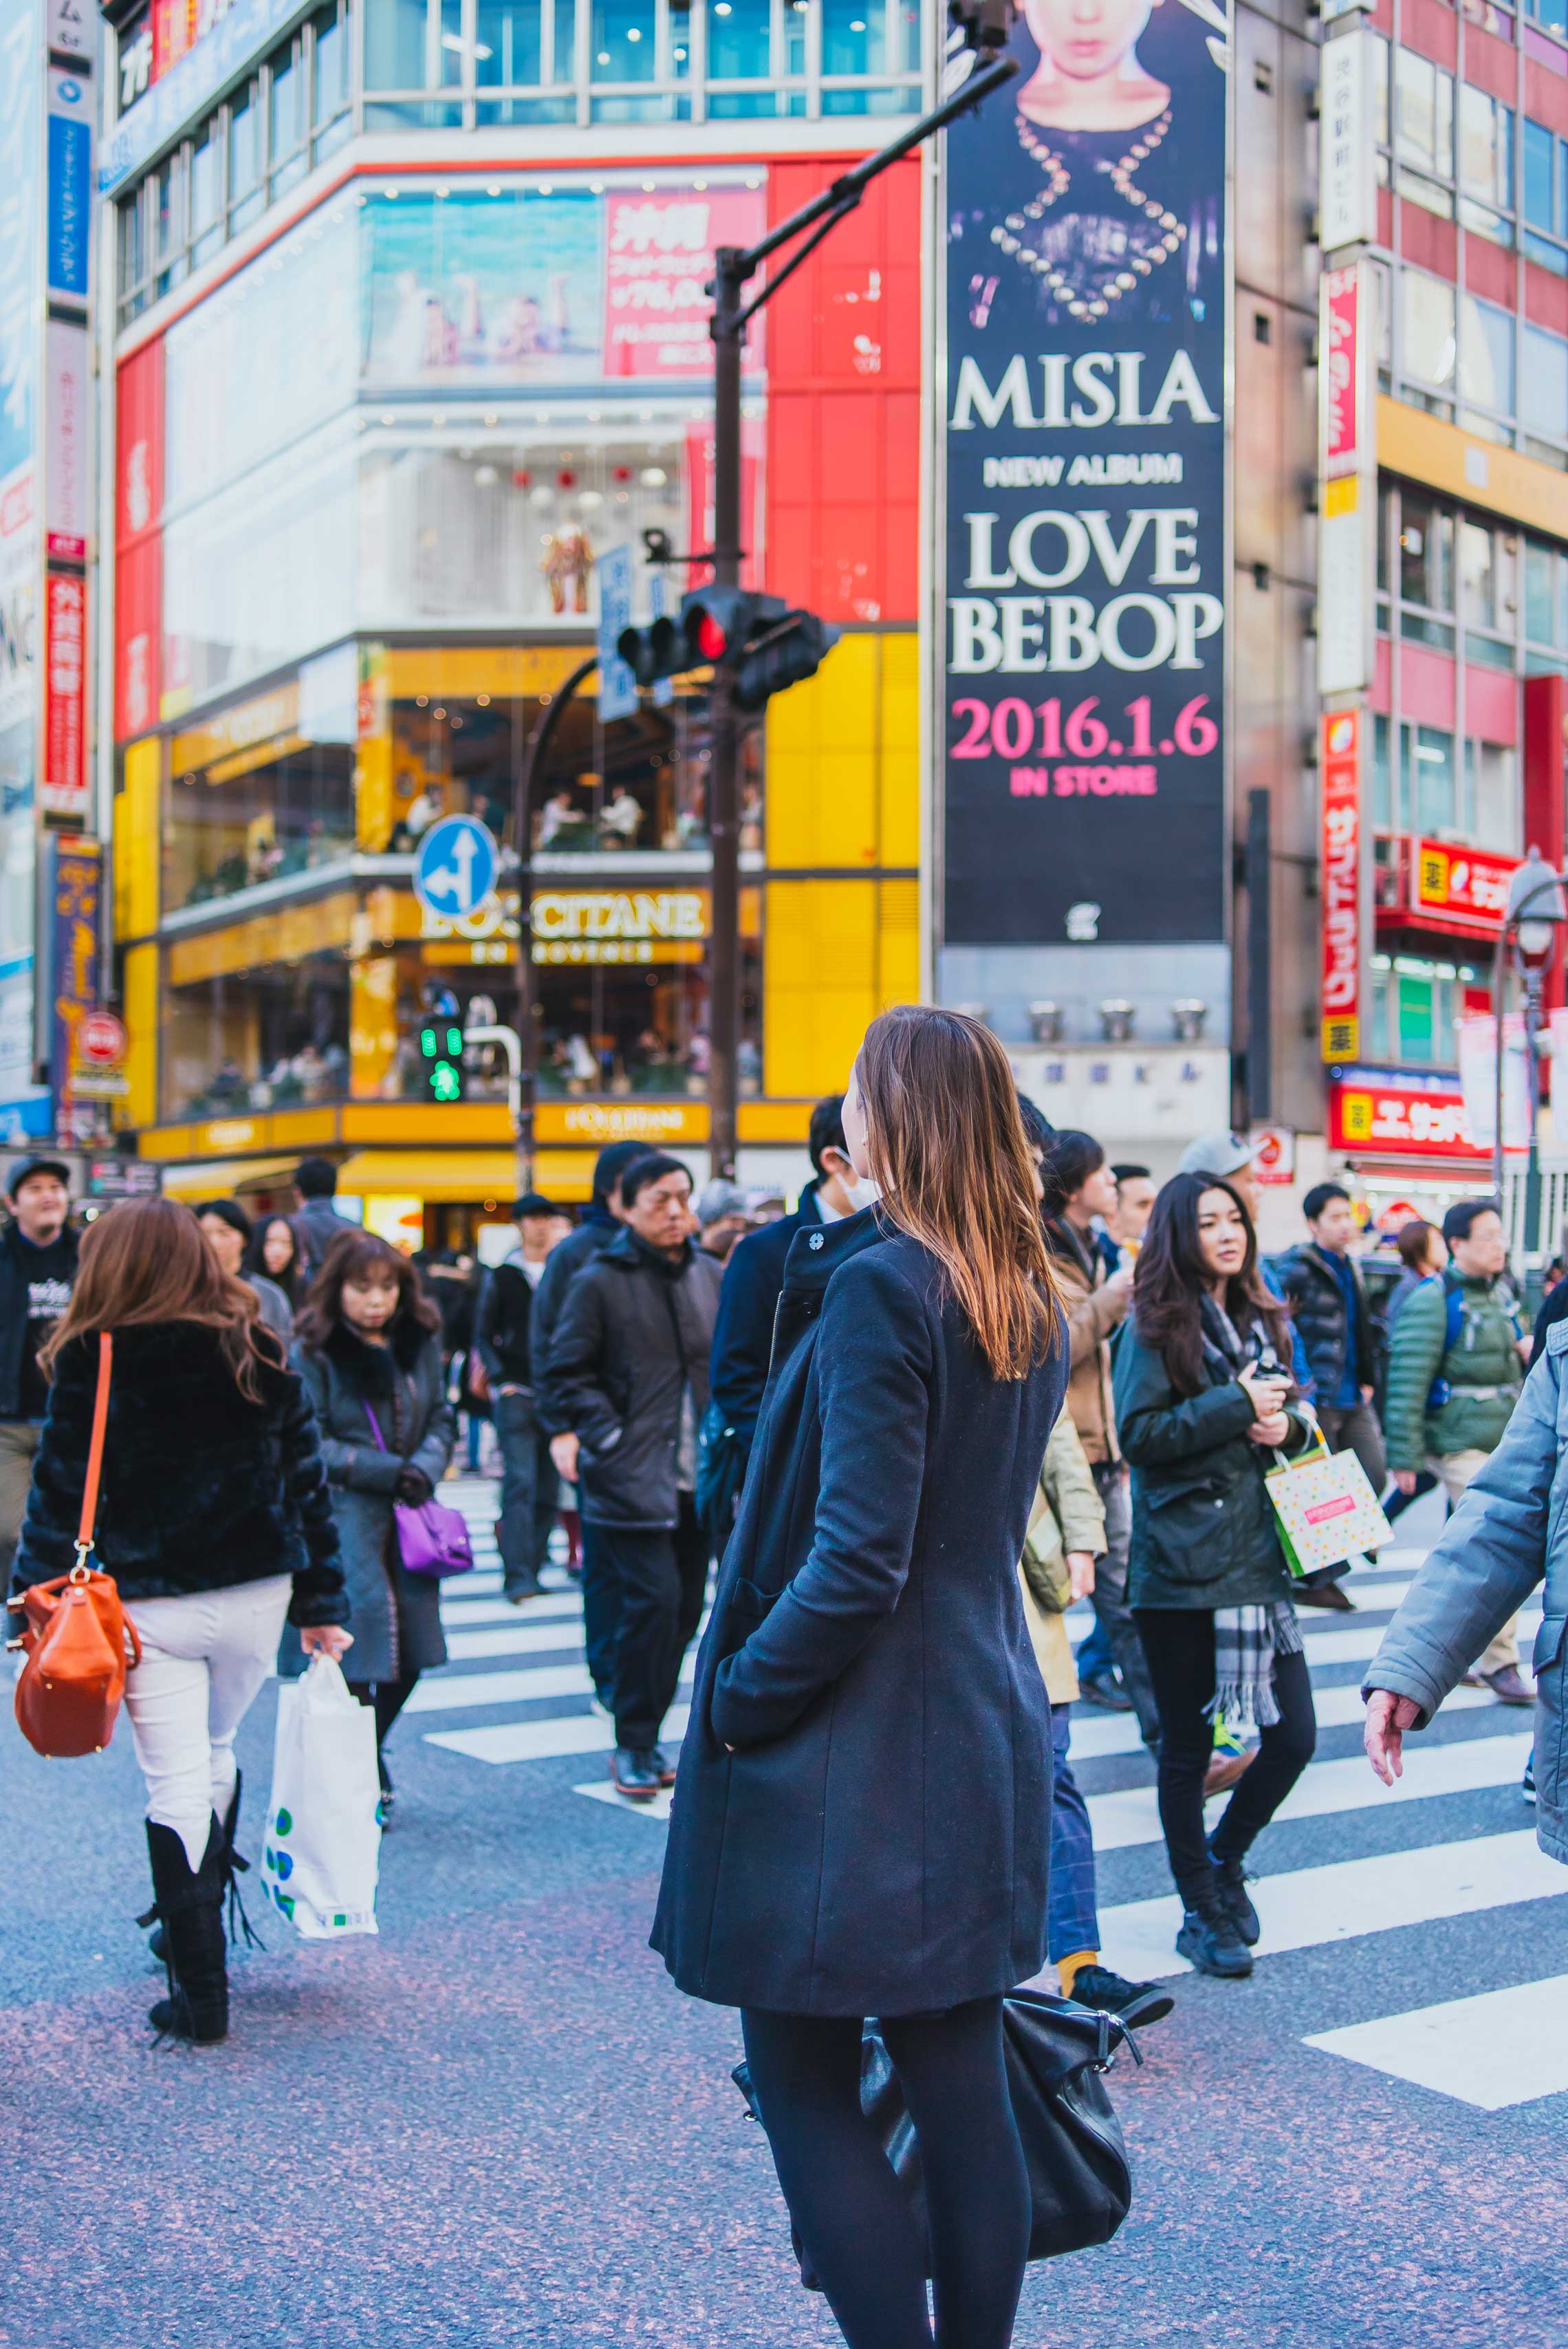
1485	1358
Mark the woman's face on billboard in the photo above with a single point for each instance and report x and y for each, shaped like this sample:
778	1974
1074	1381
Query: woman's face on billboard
1086	39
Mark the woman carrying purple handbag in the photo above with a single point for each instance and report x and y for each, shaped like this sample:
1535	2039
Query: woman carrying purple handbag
367	1346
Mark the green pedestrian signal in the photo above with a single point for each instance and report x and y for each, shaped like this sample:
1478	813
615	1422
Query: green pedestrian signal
441	1056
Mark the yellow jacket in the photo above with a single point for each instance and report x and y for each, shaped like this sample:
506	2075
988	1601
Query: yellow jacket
1066	1515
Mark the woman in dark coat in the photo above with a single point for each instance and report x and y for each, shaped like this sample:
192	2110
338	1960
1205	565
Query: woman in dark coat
1202	1403
369	1351
861	1817
214	1521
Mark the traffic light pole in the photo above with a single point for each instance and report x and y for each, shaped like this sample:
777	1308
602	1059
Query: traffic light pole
524	1087
733	268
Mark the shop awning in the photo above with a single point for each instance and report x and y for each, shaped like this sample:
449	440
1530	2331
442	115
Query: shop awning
446	1174
219	1178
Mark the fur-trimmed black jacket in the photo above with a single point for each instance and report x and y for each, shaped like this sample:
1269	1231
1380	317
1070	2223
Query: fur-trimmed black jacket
202	1488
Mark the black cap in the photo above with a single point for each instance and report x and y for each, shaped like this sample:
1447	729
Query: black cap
532	1203
25	1166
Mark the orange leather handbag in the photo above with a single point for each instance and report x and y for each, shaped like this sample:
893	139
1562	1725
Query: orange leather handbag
78	1640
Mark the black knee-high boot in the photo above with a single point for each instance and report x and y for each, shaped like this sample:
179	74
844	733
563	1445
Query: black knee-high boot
234	1864
190	1910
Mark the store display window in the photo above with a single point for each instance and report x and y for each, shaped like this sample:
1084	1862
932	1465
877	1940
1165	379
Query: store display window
268	1038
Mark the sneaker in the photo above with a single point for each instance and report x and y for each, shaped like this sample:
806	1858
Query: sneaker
1136	2002
1106	1691
1527	1783
633	1772
1231	1880
664	1765
1508	1686
1210	1944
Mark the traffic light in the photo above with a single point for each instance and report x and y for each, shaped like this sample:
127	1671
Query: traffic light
719	622
791	650
655	652
441	1058
766	644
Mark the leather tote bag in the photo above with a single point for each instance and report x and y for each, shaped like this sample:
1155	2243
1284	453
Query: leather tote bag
1081	2186
431	1538
76	1641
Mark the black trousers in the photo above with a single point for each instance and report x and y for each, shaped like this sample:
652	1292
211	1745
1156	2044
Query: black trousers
1179	1643
661	1579
853	2217
601	1610
386	1700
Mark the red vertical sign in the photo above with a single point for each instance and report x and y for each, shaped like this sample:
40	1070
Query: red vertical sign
138	574
64	789
1340	768
1341	418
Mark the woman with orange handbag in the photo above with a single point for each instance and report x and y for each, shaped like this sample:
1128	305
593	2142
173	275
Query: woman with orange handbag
214	1523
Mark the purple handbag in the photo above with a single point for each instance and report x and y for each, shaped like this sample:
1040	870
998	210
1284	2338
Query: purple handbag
431	1538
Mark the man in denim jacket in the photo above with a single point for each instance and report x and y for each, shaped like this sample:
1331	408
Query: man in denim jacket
1509	1530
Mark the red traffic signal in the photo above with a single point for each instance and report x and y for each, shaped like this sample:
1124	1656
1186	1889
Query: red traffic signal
711	640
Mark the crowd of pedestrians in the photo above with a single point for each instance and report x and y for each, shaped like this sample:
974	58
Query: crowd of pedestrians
978	1376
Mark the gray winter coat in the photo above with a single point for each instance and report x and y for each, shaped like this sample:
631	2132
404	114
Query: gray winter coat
396	1616
1509	1530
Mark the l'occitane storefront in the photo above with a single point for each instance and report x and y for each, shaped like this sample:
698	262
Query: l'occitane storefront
275	963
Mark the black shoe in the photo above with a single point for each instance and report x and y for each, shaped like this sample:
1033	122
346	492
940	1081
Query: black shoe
235	1865
525	1587
1106	1691
664	1765
191	1908
1135	2003
635	1773
1208	1938
1229	1876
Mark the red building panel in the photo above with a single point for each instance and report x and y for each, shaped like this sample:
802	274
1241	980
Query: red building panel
1491	705
1490	64
139	542
1429	26
1431	243
1545	298
1427	687
1489	270
843	406
1546	95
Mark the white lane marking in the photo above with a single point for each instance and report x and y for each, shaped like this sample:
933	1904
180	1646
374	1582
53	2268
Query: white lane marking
1098	1733
521	1637
1312	1905
458	1614
602	1791
530	1685
1130	1816
1358	1645
546	1741
1502	2047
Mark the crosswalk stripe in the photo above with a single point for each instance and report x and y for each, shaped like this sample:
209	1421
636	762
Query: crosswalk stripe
459	1614
546	1741
1310	1906
1500	2048
530	1685
1099	1735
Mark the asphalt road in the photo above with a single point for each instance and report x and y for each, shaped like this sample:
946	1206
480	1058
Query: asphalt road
497	2123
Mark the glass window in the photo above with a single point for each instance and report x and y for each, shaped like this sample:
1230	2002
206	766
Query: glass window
132	244
1423	115
395	37
1540	593
1540	176
622	37
1426	552
1491	791
270	1038
1381	1047
1486	356
511	45
1478	574
246	198
855	37
206	190
1382	780
1545	405
286	116
1426	321
1551	13
1486	147
330	44
1429	777
452	45
169	220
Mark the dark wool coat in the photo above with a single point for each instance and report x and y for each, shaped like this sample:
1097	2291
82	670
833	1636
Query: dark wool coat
634	1334
397	1615
1203	1526
877	1843
202	1489
564	1262
743	1333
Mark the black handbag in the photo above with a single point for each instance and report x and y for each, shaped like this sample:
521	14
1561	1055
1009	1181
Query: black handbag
1081	2186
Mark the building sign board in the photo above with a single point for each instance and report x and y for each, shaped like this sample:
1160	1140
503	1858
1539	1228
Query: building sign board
1339	783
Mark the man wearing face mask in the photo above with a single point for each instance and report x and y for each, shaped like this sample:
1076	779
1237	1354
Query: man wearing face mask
743	1334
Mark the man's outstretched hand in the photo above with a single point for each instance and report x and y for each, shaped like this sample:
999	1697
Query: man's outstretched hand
1387	1718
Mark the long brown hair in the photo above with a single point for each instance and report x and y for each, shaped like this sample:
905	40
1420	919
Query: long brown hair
352	1256
146	1260
947	1146
1171	1280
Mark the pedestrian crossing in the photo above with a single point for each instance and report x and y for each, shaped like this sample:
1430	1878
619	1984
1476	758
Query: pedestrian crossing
539	1709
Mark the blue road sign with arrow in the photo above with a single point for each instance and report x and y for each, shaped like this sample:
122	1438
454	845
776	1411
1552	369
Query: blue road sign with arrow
456	867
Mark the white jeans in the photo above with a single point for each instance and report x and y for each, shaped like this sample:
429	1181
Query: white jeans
203	1661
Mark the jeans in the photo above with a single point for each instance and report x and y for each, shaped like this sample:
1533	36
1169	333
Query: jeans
854	2219
528	1483
1180	1644
18	1443
1072	1913
1094	1659
662	1580
203	1661
1111	1610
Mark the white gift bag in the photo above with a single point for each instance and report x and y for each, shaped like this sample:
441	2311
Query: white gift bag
322	1840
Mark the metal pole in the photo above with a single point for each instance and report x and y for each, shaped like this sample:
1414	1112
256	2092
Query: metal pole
1499	980
524	1087
724	727
1260	1007
1532	979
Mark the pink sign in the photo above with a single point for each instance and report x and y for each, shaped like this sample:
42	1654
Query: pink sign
1342	320
65	787
659	260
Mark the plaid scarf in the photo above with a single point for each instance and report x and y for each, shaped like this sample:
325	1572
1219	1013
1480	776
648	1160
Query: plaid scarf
1246	1641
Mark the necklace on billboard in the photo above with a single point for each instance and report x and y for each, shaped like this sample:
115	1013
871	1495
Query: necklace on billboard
1081	303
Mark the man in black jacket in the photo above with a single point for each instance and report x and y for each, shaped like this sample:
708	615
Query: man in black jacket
502	1333
627	1384
1323	1287
37	1269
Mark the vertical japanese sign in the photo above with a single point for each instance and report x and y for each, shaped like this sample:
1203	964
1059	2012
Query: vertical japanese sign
1084	458
70	184
1340	860
617	686
67	425
65	785
1347	144
74	965
1347	494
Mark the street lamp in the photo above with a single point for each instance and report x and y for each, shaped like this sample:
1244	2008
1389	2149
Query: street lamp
1535	913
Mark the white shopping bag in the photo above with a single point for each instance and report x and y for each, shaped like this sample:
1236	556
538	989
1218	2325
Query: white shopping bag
323	1835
